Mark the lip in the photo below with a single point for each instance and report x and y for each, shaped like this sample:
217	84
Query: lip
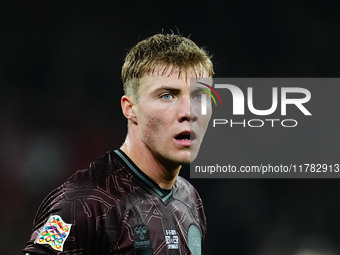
185	138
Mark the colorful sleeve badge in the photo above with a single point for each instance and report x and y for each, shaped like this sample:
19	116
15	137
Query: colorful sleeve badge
54	233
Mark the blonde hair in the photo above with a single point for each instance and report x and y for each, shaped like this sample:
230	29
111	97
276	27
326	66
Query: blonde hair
160	52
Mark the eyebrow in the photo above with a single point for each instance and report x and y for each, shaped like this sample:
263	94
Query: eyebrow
167	88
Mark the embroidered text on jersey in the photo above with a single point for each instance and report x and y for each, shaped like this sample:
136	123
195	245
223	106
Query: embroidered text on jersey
171	239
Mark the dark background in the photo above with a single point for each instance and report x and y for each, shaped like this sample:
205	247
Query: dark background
60	82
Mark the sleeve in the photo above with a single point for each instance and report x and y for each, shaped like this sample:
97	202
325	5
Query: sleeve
66	224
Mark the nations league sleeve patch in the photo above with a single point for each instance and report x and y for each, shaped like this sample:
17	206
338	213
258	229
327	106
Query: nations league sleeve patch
54	232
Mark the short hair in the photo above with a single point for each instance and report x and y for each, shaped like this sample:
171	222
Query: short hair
160	52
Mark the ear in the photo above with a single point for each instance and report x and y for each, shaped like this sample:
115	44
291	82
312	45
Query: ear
128	108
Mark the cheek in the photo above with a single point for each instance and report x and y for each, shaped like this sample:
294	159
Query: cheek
152	128
205	119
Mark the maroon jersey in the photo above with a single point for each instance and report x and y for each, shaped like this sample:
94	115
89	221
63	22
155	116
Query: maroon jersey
114	208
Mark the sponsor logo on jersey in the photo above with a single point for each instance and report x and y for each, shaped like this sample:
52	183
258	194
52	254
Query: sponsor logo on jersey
54	233
171	239
142	236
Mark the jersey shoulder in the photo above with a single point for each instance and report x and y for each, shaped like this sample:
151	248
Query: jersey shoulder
105	181
87	202
185	192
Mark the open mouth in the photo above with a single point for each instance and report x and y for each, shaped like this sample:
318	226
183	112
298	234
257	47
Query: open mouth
186	135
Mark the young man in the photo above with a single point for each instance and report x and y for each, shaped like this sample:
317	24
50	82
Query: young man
131	200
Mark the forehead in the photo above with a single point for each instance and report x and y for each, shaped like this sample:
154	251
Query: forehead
171	76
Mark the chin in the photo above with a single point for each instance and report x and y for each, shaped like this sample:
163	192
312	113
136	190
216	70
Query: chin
189	159
181	158
193	155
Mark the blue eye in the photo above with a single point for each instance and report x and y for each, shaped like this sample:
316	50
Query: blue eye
198	97
167	96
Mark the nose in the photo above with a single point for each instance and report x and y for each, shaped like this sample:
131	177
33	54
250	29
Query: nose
186	112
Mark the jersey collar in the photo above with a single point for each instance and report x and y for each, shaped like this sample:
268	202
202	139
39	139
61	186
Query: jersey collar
163	195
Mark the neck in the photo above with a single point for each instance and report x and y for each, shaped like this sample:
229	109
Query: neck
162	173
